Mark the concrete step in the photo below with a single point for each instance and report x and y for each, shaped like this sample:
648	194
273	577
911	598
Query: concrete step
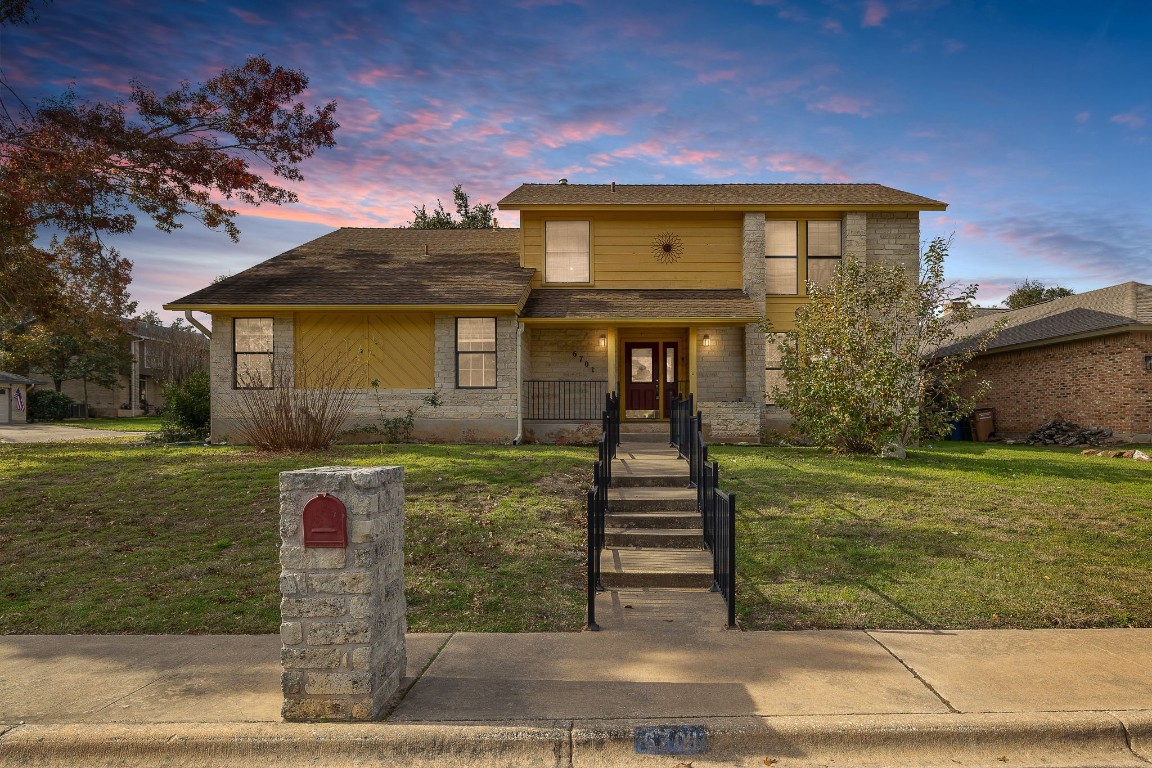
649	499
668	568
655	538
673	520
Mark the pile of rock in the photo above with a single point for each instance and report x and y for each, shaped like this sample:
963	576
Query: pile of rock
1136	455
1061	432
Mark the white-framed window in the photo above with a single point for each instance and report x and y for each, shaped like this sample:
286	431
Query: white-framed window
824	250
252	352
780	257
475	352
566	252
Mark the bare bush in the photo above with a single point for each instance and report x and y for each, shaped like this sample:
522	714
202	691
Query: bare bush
301	408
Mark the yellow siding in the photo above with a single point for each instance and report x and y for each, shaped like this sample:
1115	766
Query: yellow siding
622	248
402	351
397	350
781	311
331	348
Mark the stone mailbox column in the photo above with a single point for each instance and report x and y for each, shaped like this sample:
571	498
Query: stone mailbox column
342	608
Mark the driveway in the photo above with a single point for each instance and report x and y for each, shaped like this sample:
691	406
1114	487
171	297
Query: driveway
56	433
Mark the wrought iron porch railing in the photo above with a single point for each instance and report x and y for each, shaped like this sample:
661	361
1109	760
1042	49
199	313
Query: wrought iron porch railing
717	509
598	498
554	400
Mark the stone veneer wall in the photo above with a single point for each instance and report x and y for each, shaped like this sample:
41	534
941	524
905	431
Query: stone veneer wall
720	367
343	610
895	236
731	422
1098	382
480	415
561	354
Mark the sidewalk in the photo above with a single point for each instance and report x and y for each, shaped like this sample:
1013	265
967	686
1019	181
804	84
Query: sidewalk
998	698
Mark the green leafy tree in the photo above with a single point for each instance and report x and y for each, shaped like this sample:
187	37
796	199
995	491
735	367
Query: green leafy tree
857	376
188	409
1032	292
86	169
478	216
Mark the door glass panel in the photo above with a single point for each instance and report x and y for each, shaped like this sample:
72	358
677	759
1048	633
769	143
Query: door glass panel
642	366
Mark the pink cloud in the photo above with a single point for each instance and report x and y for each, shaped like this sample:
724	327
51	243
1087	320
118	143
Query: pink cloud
708	78
1083	117
874	13
843	105
806	165
250	18
1128	120
576	132
369	77
422	122
953	46
832	26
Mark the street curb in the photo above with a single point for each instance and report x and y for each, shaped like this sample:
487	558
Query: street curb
1053	740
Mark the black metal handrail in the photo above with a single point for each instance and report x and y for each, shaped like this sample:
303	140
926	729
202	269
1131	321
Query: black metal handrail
717	509
556	400
598	498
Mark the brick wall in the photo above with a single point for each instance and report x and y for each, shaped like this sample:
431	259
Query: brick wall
1097	382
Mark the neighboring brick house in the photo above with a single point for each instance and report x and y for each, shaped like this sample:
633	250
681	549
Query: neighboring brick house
1086	358
648	290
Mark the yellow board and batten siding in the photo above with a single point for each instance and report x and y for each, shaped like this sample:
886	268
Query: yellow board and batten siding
396	351
621	244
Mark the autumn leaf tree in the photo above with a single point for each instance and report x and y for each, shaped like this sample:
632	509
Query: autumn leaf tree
85	169
478	216
860	368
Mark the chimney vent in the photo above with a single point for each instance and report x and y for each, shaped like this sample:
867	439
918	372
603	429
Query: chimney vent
564	181
613	186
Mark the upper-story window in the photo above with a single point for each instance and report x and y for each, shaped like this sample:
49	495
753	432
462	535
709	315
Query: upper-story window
818	240
824	250
566	252
252	352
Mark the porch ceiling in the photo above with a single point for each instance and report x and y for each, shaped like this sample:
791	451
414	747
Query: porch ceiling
654	304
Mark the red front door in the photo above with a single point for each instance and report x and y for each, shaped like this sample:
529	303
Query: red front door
642	379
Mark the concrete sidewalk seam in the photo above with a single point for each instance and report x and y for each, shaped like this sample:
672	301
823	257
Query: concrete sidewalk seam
407	684
914	673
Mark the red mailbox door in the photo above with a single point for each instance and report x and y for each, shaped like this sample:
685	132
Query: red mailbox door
325	522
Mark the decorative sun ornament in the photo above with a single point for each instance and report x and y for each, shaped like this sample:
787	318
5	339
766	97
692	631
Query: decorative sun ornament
667	248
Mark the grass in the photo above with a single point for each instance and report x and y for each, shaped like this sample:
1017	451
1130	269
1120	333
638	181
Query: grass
964	535
114	537
110	537
130	424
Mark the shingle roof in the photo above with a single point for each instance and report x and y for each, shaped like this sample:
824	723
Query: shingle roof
747	195
13	378
1100	310
593	303
378	266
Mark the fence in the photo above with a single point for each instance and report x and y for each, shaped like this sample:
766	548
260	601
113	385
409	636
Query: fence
717	509
598	498
548	400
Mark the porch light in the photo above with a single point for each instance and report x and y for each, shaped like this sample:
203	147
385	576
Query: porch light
707	340
603	341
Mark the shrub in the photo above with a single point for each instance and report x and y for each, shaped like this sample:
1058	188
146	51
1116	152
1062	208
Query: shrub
49	405
188	410
301	413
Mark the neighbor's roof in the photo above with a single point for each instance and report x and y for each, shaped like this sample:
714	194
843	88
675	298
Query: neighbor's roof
380	267
653	304
723	195
13	378
1101	311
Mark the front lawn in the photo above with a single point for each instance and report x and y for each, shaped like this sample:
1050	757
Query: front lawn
111	537
965	535
108	537
127	424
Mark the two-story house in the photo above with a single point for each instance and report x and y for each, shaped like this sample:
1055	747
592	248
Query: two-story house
648	290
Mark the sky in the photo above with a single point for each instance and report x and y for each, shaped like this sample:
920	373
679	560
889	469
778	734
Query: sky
1030	119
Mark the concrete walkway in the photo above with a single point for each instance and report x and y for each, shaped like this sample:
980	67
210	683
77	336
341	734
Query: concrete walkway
1015	698
56	433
